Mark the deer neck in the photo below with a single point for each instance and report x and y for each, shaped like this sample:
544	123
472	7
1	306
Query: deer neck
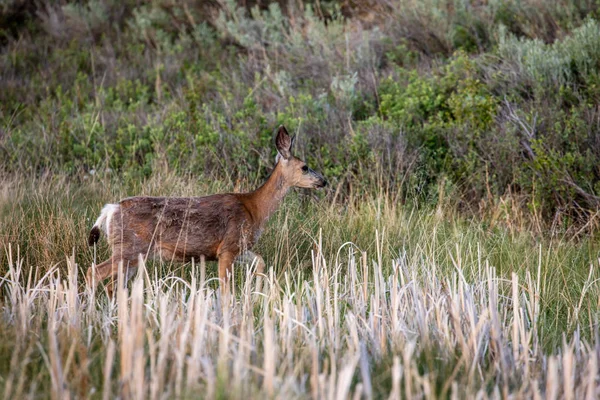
266	199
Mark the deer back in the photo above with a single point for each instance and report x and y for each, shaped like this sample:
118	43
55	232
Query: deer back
181	228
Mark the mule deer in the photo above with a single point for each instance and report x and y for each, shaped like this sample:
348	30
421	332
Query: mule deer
219	227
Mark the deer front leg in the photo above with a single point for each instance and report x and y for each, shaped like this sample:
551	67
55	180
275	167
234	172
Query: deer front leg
225	265
249	257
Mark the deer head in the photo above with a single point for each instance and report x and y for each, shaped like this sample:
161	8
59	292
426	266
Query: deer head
294	171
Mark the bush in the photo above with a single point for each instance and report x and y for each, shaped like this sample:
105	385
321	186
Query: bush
444	116
487	101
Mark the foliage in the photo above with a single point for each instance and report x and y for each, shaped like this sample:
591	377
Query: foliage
484	100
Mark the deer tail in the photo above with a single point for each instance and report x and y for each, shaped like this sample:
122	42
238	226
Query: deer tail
103	221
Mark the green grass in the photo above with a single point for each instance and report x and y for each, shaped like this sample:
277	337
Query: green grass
367	296
427	252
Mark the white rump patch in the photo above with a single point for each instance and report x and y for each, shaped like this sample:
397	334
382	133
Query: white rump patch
105	217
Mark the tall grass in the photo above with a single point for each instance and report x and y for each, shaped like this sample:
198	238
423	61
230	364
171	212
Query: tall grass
367	298
357	328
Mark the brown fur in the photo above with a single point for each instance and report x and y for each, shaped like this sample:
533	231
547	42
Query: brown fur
217	227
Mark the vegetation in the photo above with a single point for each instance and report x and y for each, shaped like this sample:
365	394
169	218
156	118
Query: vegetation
455	254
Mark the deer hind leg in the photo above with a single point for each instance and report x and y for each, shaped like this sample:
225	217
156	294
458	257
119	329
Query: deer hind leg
129	269
99	273
110	269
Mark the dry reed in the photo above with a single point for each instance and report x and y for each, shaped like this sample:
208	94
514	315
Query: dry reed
350	332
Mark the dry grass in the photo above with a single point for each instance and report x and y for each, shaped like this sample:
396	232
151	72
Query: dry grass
352	330
369	300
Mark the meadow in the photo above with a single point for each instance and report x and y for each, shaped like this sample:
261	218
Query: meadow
455	253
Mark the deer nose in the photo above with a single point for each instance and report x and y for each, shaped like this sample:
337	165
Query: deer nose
323	183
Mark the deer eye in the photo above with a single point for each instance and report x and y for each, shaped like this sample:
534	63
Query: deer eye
304	169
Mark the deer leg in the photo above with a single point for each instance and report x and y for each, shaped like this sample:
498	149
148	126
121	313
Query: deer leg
98	273
130	267
130	272
225	265
249	257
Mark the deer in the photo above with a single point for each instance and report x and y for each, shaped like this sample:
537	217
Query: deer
219	227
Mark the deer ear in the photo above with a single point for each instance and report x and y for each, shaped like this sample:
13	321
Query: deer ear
283	142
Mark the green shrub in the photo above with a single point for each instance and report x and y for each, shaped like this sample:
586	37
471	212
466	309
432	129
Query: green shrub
379	101
569	63
444	116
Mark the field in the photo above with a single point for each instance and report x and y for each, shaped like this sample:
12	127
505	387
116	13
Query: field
455	253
